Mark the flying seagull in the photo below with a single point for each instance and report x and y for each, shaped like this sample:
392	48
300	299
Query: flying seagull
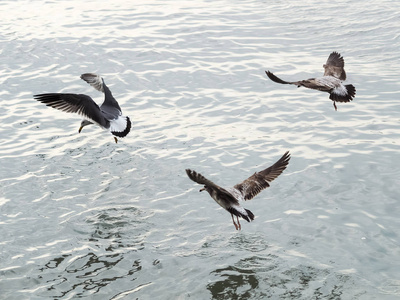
230	198
108	116
330	82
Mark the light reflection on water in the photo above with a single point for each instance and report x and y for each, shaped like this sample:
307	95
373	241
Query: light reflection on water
82	216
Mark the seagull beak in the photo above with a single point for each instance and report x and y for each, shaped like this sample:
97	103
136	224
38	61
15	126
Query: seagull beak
80	129
203	189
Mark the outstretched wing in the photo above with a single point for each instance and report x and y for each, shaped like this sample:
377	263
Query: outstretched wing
94	80
74	103
335	66
278	80
311	83
110	106
200	179
225	198
260	180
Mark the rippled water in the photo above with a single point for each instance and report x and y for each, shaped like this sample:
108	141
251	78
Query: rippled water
83	217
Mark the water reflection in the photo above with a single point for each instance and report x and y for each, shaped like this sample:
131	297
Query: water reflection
236	283
88	274
117	234
262	278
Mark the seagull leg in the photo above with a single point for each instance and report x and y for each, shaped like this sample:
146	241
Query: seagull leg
116	140
334	105
240	226
237	228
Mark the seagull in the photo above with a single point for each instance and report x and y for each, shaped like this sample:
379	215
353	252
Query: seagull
330	82
230	198
108	116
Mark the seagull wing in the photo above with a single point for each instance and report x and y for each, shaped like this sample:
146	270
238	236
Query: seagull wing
110	107
278	80
94	80
335	66
260	180
200	179
74	103
311	83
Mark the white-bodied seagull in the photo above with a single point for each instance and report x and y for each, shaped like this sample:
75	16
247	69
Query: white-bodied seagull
108	116
330	82
230	198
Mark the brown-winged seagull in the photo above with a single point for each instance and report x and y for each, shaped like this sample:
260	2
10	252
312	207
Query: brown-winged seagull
230	198
108	116
330	82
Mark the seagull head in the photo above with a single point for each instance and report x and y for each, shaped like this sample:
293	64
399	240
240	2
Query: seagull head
83	124
205	188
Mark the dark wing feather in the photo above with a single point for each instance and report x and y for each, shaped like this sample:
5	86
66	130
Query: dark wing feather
200	179
74	103
260	180
94	80
278	80
335	66
110	107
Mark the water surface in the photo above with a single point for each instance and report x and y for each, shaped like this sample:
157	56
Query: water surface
83	217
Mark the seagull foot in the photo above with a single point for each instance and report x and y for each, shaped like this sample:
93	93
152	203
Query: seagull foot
237	227
233	220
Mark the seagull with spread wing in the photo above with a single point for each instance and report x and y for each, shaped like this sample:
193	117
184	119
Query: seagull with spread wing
331	81
230	198
108	115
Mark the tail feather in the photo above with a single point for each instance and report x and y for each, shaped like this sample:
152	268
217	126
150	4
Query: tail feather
351	90
343	94
249	216
121	126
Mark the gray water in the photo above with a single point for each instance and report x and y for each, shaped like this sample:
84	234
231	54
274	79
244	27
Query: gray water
83	217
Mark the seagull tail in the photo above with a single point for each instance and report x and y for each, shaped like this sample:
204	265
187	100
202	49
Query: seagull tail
250	214
241	212
343	93
121	126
